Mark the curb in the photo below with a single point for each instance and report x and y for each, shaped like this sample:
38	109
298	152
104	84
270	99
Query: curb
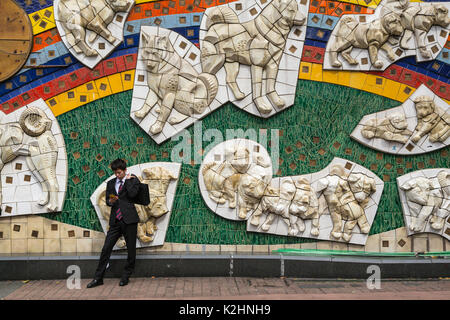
223	265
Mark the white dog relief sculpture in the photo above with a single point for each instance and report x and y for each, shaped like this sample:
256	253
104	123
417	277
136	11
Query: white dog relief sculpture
162	180
234	176
169	91
242	41
33	161
425	197
91	29
249	54
338	203
397	29
421	124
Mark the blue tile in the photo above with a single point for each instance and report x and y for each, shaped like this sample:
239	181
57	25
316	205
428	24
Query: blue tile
136	27
443	78
445	70
61	48
325	21
311	23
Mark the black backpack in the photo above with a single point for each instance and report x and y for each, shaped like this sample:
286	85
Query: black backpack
143	196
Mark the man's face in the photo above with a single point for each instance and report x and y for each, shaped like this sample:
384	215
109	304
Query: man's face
120	174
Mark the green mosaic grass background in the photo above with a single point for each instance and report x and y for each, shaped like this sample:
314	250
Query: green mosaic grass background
312	132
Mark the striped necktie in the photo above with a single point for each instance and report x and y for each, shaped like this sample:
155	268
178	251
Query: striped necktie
118	212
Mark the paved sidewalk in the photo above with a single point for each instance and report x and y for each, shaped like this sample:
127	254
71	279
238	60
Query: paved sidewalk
228	288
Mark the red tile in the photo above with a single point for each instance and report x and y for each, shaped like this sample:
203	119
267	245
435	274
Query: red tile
120	64
18	104
130	61
421	78
440	88
109	67
313	54
42	93
84	74
408	77
393	72
97	72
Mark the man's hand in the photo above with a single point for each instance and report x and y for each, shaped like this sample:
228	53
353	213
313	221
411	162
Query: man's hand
113	198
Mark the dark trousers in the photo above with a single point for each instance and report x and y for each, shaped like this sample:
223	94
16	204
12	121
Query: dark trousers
118	229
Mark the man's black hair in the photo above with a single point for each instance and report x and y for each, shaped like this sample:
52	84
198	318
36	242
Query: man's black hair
118	164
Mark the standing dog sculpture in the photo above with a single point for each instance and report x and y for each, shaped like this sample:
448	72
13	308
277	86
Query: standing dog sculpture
346	199
418	20
293	202
78	16
173	83
372	36
258	43
423	201
32	137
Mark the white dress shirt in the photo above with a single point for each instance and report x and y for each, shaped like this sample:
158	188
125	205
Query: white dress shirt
118	184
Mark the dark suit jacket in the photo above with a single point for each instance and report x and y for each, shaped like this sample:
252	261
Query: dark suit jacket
129	191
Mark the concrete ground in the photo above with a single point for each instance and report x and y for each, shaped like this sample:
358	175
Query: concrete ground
227	288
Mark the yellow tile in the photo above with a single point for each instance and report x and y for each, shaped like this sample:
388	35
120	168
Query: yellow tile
344	78
43	25
47	14
363	3
128	79
103	87
330	76
115	81
351	1
357	79
56	107
391	89
88	90
63	104
144	1
371	86
35	18
305	70
45	22
316	72
404	92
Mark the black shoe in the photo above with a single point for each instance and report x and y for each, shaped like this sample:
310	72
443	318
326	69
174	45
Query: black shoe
95	283
123	282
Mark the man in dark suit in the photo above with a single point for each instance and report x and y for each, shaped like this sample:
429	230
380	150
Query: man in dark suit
123	221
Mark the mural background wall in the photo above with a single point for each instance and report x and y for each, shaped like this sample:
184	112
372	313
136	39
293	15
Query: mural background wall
92	108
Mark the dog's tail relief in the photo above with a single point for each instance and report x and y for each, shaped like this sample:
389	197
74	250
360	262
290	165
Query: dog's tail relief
221	15
212	86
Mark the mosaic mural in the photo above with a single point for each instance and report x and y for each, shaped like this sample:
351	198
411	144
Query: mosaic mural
306	75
